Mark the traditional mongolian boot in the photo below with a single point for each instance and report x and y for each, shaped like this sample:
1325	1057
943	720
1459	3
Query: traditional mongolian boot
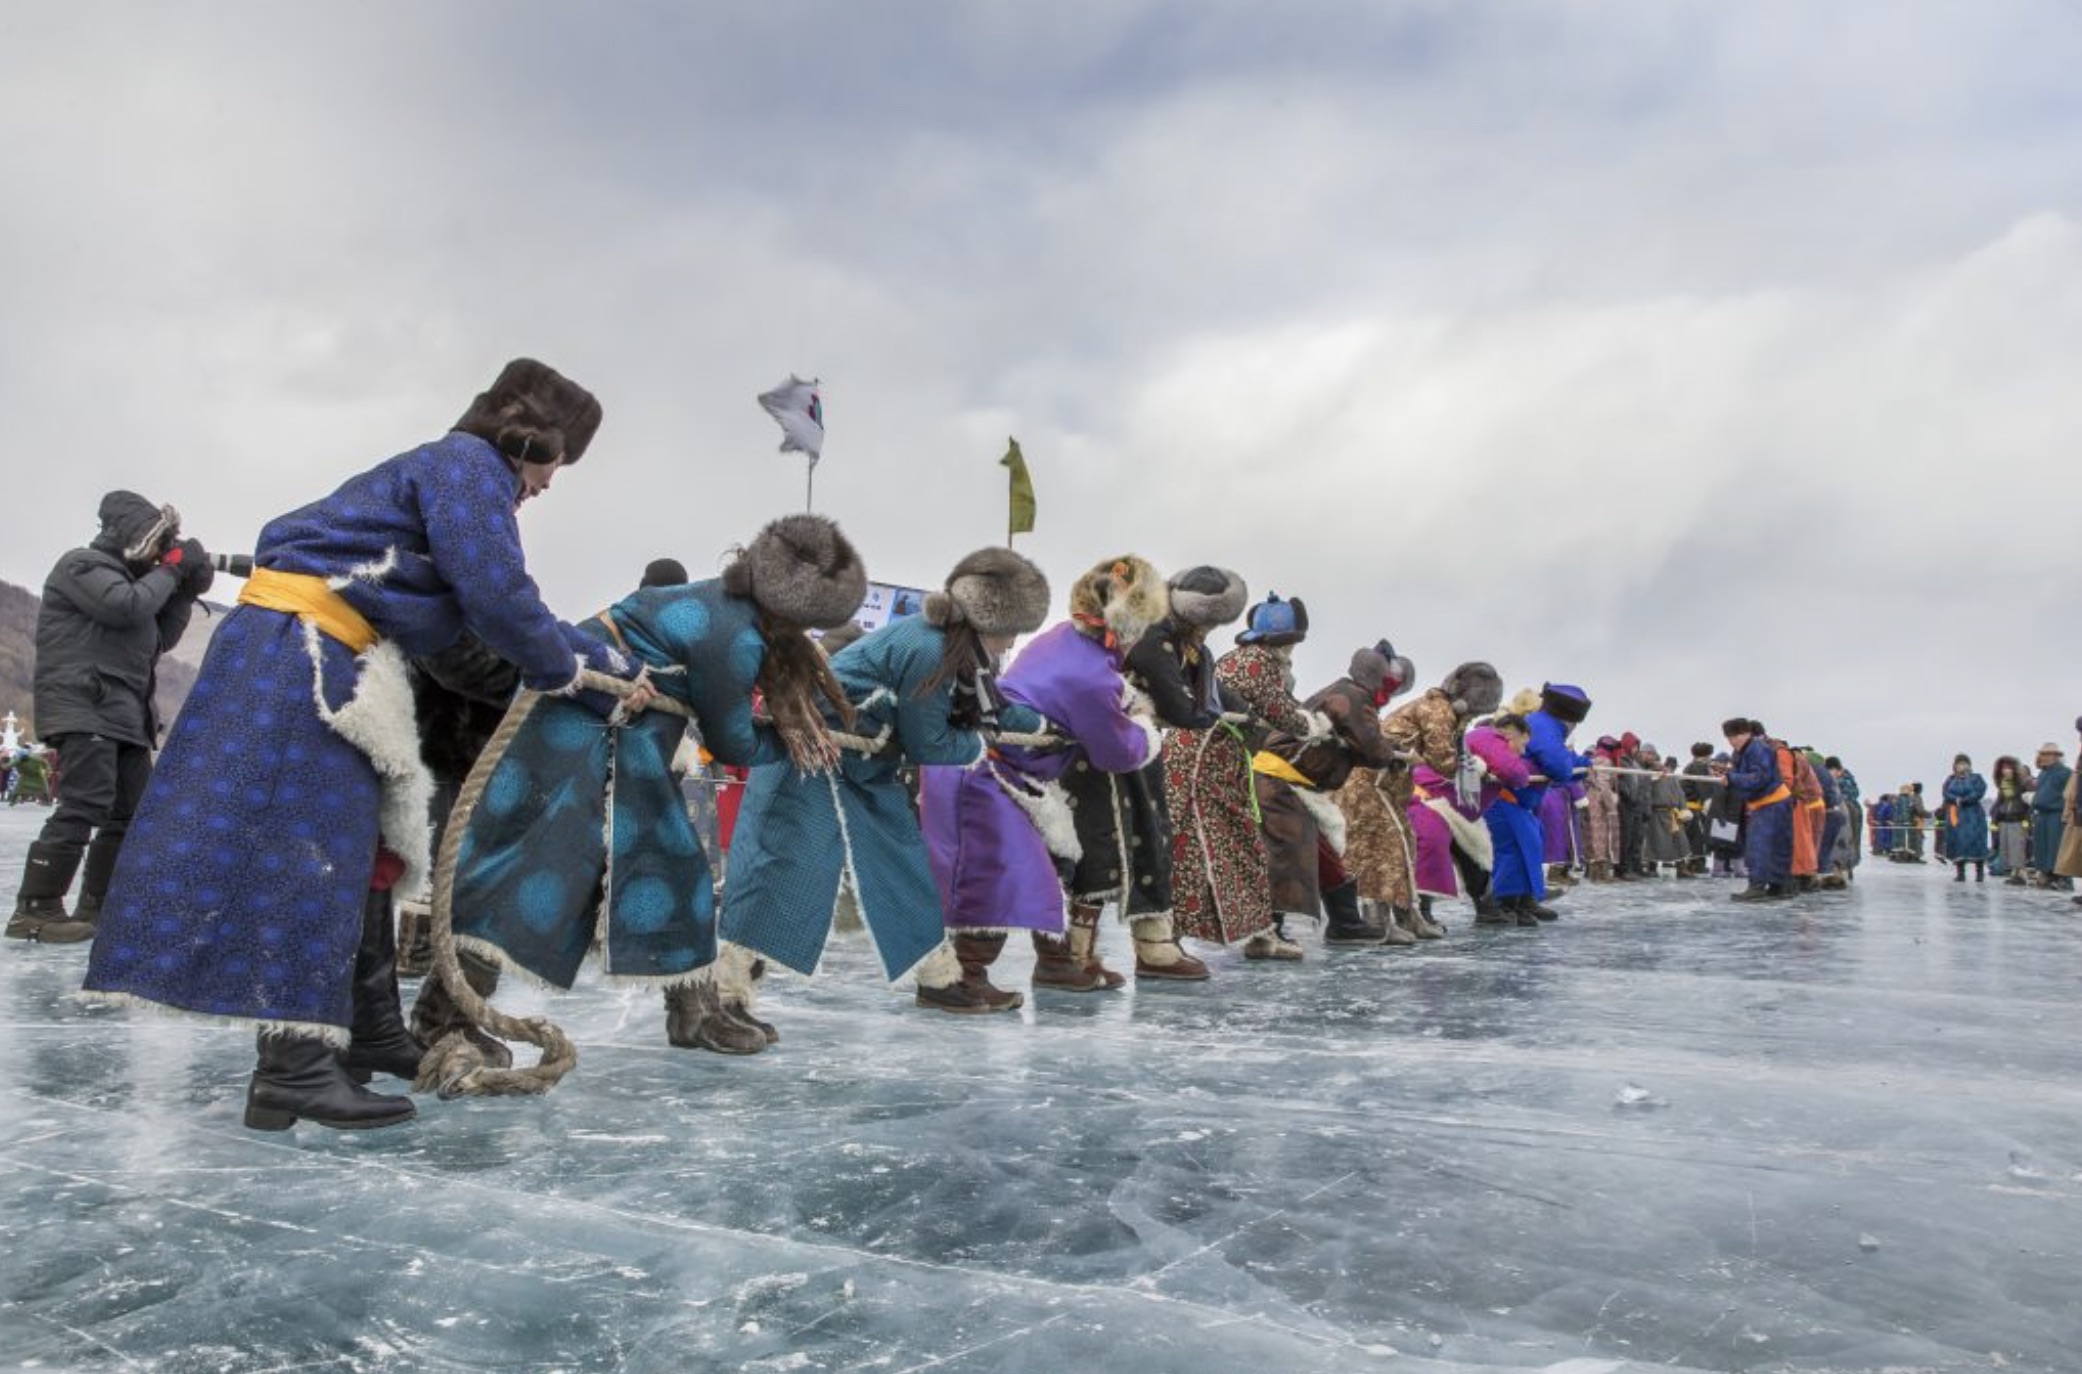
381	1044
99	867
39	908
1417	920
694	1020
435	1014
1755	892
1521	909
1058	964
1489	911
1980	872
1395	930
737	975
1158	954
971	991
1352	921
1540	911
1960	875
1558	875
415	938
301	1078
1273	944
1084	945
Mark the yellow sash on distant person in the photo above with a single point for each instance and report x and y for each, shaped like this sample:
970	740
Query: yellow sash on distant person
1273	766
309	599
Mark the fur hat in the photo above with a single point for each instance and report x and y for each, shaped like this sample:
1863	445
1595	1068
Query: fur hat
534	414
1525	702
135	528
1207	596
1564	702
1476	689
1370	668
802	570
1275	622
1126	594
996	590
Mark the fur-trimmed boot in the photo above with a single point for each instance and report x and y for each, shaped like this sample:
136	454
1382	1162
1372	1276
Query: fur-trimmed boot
95	871
301	1078
1065	961
1352	921
695	1020
1158	954
737	975
39	907
1417	920
435	1015
1273	944
381	1043
1395	926
957	978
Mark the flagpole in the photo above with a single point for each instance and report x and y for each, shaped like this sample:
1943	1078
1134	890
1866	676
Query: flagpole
809	483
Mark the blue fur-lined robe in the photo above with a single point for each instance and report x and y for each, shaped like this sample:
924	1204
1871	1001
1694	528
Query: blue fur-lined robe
798	834
537	870
240	887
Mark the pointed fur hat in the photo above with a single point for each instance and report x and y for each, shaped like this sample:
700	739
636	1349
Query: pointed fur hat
801	569
1208	596
1126	594
996	590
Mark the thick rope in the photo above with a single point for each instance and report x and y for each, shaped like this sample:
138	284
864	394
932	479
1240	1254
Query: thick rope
455	1067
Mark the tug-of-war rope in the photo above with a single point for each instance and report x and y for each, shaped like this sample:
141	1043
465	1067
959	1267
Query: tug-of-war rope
456	1065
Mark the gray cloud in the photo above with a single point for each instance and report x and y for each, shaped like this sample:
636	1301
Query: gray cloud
1717	357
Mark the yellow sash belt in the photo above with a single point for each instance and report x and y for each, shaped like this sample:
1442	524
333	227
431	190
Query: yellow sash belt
309	599
1273	766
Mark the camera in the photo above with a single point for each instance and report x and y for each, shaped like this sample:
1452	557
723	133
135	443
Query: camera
237	564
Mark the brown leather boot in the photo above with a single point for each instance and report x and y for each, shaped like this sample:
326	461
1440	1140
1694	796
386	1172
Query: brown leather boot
1084	945
1158	954
976	951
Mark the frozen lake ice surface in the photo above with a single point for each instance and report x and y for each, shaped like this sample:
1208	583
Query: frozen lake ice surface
1837	1134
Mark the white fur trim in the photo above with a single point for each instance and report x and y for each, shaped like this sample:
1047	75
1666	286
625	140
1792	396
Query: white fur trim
733	975
1471	835
336	1036
939	969
380	719
1330	821
1049	810
367	572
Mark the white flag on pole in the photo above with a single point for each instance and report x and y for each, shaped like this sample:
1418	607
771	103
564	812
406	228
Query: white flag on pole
799	411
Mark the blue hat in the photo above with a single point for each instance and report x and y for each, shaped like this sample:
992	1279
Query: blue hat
1275	622
1564	701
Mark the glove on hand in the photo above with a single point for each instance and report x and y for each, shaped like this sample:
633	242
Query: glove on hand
197	574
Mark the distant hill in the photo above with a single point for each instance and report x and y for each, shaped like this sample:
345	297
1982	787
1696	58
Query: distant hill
18	657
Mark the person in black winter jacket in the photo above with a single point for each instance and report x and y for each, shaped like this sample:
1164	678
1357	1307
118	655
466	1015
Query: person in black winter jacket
109	611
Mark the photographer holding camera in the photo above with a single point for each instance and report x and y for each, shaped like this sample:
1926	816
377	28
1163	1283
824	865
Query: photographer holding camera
109	611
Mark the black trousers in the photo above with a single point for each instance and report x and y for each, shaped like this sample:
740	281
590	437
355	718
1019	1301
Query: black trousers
99	782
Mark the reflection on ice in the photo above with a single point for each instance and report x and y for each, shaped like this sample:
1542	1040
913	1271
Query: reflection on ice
1664	1134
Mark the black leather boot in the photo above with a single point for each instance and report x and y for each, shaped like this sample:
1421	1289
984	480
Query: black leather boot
39	908
304	1079
381	1042
94	875
1348	924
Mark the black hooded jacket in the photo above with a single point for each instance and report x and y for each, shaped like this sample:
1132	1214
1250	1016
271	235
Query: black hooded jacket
103	625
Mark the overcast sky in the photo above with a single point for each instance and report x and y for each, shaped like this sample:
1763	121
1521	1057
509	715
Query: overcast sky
1720	357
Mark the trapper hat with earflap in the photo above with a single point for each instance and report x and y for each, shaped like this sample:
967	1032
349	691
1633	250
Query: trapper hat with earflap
997	591
1122	596
1475	689
802	570
1276	622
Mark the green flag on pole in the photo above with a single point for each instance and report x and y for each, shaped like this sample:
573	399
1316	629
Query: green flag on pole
1020	519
